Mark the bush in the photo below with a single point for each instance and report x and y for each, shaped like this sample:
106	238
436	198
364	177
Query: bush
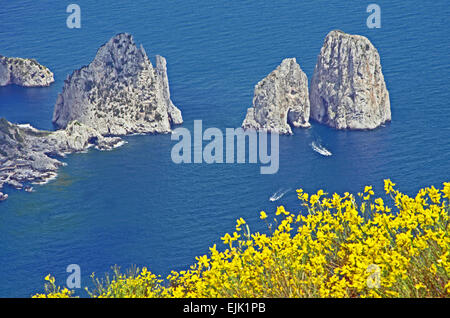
338	246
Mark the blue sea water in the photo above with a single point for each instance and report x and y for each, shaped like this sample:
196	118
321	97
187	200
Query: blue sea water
133	205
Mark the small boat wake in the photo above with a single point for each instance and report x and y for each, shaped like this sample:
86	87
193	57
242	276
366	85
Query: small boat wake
279	194
320	149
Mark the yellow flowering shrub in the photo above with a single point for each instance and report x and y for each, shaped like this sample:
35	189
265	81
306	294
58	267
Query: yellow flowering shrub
52	291
335	246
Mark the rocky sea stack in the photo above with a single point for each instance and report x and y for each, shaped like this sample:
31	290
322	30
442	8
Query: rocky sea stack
24	72
119	92
347	89
280	100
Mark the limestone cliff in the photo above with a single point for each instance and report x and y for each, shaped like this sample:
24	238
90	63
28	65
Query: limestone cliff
24	72
119	92
280	100
348	90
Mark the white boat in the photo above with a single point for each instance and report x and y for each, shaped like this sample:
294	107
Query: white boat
320	149
278	195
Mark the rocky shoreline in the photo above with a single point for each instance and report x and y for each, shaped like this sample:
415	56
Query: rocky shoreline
118	93
29	156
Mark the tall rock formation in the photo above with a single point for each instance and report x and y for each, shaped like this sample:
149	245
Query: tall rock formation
24	72
348	90
280	100
119	92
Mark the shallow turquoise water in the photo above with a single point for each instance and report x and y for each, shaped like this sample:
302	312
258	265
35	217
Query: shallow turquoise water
133	205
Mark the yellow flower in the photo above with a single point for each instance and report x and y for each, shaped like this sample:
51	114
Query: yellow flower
281	210
50	279
262	215
314	199
388	186
203	260
239	222
434	194
368	189
226	238
447	287
419	286
446	190
433	269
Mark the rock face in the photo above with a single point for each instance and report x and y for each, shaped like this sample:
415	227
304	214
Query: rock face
24	72
161	70
280	100
27	155
119	92
348	90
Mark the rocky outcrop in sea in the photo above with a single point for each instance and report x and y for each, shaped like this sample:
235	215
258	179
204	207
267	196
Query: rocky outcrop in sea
28	155
347	89
280	100
24	72
119	92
